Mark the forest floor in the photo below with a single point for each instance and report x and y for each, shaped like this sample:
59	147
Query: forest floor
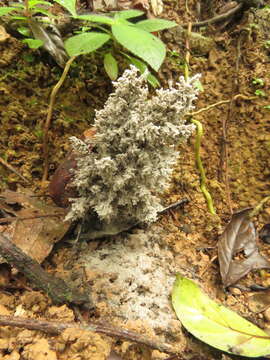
131	274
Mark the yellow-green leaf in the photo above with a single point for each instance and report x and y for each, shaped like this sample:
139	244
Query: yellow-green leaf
111	66
140	43
85	43
215	324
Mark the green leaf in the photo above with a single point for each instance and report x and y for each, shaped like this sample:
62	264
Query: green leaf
111	66
128	14
151	25
33	3
19	18
96	18
216	325
141	43
142	67
69	5
33	43
85	43
24	31
198	85
6	10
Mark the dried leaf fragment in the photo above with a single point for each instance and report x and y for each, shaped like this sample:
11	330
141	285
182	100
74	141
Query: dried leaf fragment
239	235
35	231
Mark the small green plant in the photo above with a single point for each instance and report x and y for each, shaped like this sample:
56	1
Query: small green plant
258	81
267	44
23	13
117	31
260	93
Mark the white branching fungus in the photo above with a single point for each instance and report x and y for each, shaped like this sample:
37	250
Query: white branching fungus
134	150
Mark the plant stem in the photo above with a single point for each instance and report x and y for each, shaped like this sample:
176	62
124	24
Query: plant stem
204	190
258	208
199	135
49	116
27	10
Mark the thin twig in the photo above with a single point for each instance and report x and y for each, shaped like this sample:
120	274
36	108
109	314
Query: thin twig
10	219
186	6
223	173
11	168
224	155
259	207
49	116
173	206
59	291
57	328
207	108
187	57
27	10
218	18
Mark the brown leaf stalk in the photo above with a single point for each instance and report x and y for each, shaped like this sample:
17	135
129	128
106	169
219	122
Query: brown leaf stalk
49	116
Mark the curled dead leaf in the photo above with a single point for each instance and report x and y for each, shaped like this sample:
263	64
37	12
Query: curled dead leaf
239	235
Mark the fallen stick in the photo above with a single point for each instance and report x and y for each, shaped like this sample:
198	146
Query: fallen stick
56	288
56	328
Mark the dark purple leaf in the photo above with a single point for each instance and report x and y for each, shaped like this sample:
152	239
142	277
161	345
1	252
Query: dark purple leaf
239	235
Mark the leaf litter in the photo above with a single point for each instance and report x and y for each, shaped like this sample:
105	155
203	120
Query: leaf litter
239	236
36	228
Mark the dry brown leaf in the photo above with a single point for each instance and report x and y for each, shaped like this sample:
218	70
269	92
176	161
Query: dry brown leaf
259	302
239	235
37	235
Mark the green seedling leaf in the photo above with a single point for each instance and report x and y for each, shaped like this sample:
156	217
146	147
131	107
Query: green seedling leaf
142	67
19	18
33	3
141	43
6	10
33	43
152	25
239	235
199	86
259	92
216	325
128	14
24	31
111	66
69	5
96	18
85	43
